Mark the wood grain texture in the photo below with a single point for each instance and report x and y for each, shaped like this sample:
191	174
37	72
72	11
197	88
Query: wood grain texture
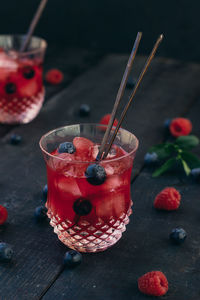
38	252
144	247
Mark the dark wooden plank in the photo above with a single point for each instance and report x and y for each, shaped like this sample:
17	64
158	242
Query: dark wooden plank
38	252
71	61
145	246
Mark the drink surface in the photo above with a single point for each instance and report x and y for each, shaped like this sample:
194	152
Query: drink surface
88	217
21	87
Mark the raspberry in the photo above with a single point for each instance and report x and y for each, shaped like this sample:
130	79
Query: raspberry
105	120
3	214
168	199
153	283
180	126
54	76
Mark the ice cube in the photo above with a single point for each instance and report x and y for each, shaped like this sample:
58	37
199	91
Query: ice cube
110	205
94	151
112	153
113	183
7	62
83	148
67	185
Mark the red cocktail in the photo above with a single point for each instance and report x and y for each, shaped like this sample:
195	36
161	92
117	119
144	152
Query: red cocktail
89	202
21	84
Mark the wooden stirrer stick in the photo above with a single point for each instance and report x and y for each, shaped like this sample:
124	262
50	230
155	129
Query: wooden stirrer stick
33	24
119	94
146	66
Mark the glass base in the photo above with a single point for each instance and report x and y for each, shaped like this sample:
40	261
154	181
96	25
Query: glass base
20	111
86	237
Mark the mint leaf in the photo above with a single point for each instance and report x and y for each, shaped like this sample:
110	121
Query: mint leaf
187	142
192	160
185	167
163	150
165	167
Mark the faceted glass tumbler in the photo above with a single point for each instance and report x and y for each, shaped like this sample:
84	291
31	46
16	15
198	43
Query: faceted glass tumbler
87	217
21	83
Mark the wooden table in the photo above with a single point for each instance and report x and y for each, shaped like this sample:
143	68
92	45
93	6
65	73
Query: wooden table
170	89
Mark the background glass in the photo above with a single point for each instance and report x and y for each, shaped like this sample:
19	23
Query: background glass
21	84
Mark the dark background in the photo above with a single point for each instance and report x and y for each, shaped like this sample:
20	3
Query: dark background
111	25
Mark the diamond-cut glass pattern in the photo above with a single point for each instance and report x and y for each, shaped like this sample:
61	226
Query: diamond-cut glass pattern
20	110
86	237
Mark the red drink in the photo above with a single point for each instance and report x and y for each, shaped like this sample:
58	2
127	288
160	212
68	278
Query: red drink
89	216
21	85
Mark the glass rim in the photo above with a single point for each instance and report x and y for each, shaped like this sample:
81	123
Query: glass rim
86	162
42	47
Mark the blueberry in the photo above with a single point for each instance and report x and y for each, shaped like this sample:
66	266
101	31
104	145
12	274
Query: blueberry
82	207
150	158
84	110
40	213
10	88
28	73
178	235
6	252
95	174
44	193
167	123
195	173
66	147
72	258
15	139
130	83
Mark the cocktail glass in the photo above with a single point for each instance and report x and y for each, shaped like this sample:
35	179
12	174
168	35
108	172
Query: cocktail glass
21	84
88	217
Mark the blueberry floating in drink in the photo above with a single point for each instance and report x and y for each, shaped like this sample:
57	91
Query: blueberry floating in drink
95	174
66	147
82	207
28	72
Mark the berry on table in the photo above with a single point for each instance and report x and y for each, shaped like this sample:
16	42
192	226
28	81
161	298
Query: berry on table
150	158
178	235
15	139
167	123
54	76
105	120
130	83
168	199
40	213
153	283
6	252
180	126
3	214
84	110
66	147
95	174
44	193
72	258
195	173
